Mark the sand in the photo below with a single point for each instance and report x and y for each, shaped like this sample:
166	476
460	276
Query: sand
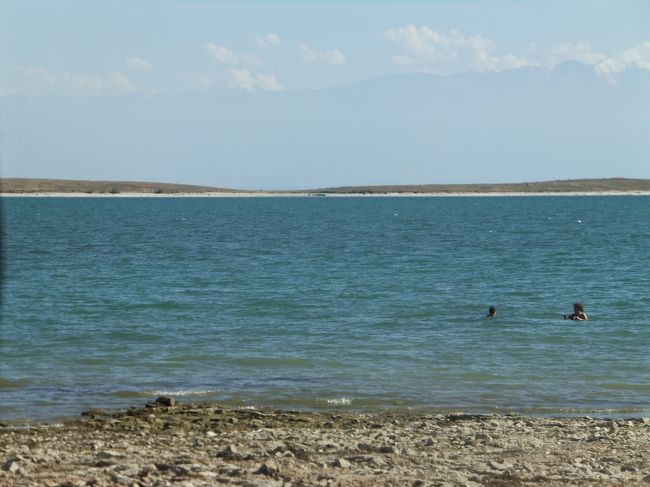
208	444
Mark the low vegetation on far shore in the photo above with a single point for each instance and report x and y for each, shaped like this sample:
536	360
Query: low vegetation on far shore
622	185
27	185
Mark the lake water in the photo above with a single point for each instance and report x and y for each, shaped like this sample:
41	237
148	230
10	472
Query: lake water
317	303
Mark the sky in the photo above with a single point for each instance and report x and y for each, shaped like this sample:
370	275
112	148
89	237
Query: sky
72	62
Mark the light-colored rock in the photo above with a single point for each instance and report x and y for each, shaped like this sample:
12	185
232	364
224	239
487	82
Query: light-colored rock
342	463
11	466
499	465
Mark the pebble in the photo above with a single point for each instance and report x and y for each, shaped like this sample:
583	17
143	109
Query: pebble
342	462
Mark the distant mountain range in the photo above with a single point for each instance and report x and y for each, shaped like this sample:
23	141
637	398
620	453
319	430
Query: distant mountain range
523	124
622	185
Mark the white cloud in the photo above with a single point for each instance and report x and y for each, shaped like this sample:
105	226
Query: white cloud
40	81
328	57
638	56
37	74
121	83
268	82
139	63
81	84
267	40
606	66
427	44
244	80
5	92
224	55
221	54
451	49
491	63
576	52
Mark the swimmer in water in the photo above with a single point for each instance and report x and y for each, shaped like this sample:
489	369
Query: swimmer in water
578	313
492	312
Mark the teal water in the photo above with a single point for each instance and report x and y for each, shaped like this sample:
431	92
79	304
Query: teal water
354	303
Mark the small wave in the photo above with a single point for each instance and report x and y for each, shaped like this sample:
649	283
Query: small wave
339	401
626	387
159	305
580	411
161	392
182	392
12	383
272	361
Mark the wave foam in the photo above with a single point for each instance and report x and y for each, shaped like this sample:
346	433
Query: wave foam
182	392
339	401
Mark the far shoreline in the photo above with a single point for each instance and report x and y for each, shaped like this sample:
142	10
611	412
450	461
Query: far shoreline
280	194
92	188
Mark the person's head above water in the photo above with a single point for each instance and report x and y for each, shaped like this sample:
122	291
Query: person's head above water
492	311
578	313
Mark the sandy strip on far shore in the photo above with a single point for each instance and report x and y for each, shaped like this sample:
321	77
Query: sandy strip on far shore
164	444
270	194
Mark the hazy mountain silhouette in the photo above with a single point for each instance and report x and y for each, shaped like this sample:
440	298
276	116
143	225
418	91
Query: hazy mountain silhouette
523	124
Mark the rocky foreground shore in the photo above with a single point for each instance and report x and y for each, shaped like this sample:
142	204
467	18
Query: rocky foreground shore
195	445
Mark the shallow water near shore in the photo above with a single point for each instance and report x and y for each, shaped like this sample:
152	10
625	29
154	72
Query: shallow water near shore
319	303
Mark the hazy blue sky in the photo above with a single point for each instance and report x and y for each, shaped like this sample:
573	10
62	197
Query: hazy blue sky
81	53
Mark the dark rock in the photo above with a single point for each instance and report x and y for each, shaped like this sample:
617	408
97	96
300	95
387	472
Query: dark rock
229	452
166	401
96	413
366	447
231	470
268	468
300	452
11	466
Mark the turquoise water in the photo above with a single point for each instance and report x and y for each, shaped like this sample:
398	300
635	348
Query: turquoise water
354	303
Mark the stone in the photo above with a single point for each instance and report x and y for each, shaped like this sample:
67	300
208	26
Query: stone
109	454
499	465
11	466
365	447
342	462
300	452
206	474
230	451
166	401
479	436
119	478
230	470
268	468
